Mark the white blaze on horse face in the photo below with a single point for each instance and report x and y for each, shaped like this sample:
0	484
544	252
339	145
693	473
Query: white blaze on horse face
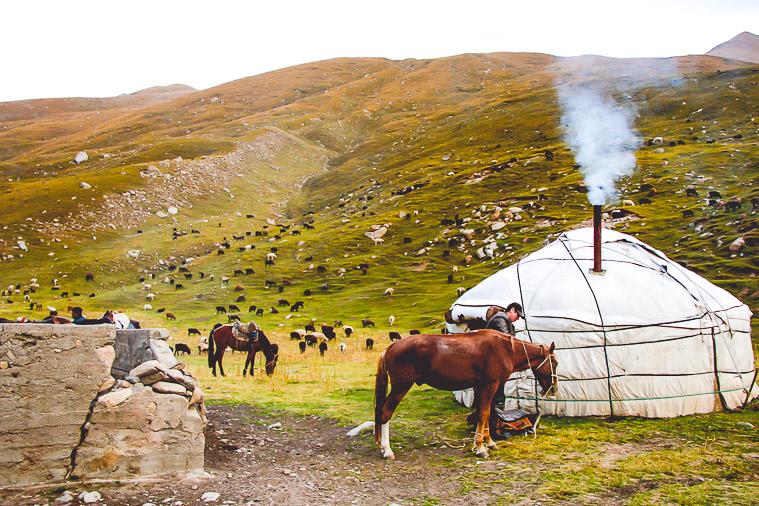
387	452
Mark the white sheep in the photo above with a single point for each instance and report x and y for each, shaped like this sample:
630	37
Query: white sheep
224	281
378	240
343	347
455	268
460	290
300	332
389	291
147	287
147	307
391	319
150	296
271	256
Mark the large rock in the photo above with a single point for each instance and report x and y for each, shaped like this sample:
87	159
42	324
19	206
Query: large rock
146	434
54	372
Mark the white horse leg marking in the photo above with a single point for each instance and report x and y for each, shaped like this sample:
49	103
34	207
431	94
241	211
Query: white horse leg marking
387	452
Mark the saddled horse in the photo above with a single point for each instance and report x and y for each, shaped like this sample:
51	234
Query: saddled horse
481	360
107	317
239	337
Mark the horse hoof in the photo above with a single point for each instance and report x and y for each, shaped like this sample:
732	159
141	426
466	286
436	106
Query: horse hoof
388	455
492	445
482	453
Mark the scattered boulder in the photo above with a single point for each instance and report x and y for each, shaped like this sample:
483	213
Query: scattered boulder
81	157
737	245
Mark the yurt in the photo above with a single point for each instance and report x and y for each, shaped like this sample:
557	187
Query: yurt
643	337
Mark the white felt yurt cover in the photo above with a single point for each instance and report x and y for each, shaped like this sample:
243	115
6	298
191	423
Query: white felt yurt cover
647	337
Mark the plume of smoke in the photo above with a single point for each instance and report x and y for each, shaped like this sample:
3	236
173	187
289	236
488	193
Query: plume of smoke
601	133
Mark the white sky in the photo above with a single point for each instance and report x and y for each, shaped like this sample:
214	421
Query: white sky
107	47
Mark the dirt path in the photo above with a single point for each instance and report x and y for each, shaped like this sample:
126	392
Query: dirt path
309	460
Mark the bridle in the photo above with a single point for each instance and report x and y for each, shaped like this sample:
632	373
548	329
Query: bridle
548	357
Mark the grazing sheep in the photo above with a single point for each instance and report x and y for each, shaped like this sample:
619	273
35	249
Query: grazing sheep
338	323
252	309
181	348
221	309
460	291
147	307
302	346
329	332
367	323
395	336
260	311
273	310
234	308
224	281
147	287
283	302
310	327
241	298
295	336
322	348
202	347
150	296
348	330
389	291
233	317
160	310
310	339
193	332
391	319
170	316
455	268
89	277
178	286
271	256
342	347
369	343
413	332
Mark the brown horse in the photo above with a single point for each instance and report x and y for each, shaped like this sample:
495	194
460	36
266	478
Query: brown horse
248	338
481	360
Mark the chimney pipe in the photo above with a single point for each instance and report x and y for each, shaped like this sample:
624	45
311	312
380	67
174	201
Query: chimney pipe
597	239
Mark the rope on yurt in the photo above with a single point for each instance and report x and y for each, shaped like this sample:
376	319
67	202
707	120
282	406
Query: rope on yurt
750	388
548	399
527	329
603	327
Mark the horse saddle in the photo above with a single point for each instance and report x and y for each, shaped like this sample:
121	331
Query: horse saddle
249	331
505	423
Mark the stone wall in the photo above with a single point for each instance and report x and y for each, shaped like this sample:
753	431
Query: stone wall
63	415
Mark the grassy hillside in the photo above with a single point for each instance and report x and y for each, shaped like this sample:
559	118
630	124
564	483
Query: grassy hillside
470	131
304	161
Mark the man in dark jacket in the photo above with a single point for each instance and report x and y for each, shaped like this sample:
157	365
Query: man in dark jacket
77	315
502	320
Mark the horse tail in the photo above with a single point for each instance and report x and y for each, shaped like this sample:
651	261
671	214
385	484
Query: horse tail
380	395
211	347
